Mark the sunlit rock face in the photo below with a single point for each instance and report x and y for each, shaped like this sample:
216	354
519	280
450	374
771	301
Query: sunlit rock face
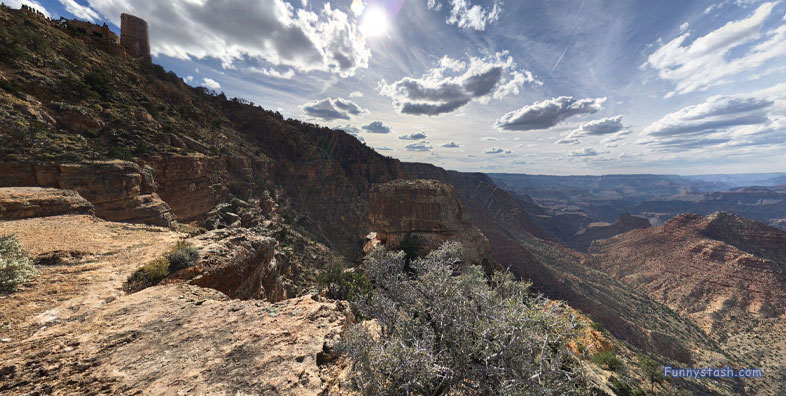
419	215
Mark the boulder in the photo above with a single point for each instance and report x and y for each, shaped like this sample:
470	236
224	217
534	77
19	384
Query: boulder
26	202
239	263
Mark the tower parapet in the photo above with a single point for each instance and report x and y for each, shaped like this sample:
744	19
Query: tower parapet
134	37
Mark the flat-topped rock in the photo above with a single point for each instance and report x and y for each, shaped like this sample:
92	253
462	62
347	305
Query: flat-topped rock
27	202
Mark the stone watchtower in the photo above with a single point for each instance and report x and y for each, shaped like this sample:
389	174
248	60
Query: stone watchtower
133	37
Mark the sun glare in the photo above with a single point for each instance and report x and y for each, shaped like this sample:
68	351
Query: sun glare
375	22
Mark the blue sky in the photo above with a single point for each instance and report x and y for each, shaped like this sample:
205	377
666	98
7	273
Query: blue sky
554	87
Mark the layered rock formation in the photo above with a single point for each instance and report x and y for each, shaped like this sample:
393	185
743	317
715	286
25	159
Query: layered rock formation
239	263
25	202
626	222
427	212
118	190
725	273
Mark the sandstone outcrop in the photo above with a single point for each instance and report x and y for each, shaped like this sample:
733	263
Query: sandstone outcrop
118	190
626	222
427	212
25	202
239	263
72	330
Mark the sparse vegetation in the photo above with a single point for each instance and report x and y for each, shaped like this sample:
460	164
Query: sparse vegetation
182	256
622	388
607	360
148	275
343	284
443	332
15	266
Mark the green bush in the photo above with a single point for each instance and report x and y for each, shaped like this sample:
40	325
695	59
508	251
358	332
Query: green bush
148	275
342	284
184	255
445	333
622	388
15	266
100	82
607	360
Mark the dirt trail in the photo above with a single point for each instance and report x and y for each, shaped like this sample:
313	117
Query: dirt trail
96	257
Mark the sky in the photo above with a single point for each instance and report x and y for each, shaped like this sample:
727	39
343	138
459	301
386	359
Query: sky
548	87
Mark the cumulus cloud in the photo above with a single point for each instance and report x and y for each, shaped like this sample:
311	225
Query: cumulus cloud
496	150
413	136
602	127
585	152
450	145
455	83
332	109
756	118
684	27
30	3
548	113
80	11
354	131
419	146
210	83
271	31
356	94
466	15
377	127
717	57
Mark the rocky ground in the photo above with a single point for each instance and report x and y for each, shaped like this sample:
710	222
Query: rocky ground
72	330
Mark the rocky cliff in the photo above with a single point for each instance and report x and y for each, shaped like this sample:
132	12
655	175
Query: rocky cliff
25	202
425	214
725	273
584	238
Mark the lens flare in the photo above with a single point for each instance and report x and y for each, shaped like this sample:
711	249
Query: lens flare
375	22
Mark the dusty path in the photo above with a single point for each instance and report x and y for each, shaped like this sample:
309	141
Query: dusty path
98	257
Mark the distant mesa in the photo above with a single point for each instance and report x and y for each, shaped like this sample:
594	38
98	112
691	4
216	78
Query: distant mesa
596	231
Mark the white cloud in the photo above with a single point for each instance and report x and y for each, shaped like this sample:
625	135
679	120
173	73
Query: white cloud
357	7
80	11
332	109
188	79
30	3
210	83
706	61
270	72
466	15
749	119
383	148
684	27
438	92
547	113
451	145
496	150
491	139
270	31
419	146
356	94
413	136
585	152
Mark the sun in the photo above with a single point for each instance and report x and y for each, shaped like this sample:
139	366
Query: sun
374	23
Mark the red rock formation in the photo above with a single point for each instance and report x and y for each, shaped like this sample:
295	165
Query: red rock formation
726	273
26	202
119	190
428	210
238	263
626	222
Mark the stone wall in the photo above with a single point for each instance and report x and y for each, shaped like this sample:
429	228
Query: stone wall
134	36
